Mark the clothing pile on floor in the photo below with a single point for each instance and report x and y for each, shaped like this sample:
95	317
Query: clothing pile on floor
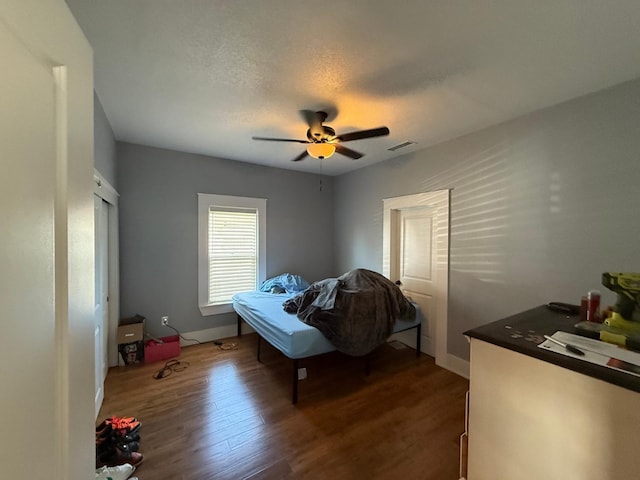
117	445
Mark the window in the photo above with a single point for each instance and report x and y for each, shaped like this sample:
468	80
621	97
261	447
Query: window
231	249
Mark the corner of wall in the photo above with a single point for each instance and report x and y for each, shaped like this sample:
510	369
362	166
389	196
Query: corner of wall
456	365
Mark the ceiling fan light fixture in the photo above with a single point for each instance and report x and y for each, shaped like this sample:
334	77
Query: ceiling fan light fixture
322	141
321	150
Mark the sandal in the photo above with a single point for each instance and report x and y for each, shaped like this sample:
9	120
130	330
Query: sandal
125	427
115	423
111	420
127	443
117	455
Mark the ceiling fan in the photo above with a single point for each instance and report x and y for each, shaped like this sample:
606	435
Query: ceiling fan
322	141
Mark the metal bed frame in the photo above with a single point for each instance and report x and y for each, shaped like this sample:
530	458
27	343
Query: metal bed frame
294	383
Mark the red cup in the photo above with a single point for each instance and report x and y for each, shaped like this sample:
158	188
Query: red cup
593	306
584	305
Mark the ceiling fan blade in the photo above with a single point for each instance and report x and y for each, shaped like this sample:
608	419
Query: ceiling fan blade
374	132
279	139
347	151
302	156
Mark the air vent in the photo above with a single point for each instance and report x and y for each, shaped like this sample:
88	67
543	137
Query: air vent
401	145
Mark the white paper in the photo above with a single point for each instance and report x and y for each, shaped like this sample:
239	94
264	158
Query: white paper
595	351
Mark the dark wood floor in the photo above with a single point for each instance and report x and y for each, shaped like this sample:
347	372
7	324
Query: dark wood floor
228	416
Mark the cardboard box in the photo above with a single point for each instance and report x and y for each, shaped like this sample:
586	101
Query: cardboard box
130	339
131	320
130	333
154	351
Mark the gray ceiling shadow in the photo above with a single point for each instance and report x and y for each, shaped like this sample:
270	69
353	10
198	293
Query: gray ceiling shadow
408	77
330	109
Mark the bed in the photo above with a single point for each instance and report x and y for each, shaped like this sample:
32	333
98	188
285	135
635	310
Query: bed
264	312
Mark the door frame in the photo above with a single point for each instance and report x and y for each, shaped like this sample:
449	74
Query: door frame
439	201
103	189
101	315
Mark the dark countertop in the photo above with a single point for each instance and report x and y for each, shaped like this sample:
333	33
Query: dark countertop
524	331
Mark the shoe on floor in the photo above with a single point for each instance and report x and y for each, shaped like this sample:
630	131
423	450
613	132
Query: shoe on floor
119	472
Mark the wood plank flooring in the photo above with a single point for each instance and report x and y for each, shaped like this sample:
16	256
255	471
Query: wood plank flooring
228	416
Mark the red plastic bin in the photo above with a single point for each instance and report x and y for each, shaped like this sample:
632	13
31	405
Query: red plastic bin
154	351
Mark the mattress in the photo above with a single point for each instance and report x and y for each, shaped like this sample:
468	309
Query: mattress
264	312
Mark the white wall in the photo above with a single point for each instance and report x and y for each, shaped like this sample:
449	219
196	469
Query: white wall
540	207
47	247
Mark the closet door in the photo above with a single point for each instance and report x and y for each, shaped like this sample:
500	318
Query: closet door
107	289
101	307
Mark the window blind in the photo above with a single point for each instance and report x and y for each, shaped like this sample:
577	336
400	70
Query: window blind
233	252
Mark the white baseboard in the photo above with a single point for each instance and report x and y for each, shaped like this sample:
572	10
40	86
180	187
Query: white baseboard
452	363
456	365
215	333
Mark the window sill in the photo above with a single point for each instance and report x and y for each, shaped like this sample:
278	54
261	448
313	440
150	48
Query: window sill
207	310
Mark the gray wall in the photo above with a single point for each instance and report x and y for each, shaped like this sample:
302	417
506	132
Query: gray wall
540	207
158	228
104	159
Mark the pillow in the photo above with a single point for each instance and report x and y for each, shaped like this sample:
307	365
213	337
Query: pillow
284	283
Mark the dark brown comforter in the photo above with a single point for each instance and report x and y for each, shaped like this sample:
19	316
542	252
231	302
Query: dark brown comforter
356	311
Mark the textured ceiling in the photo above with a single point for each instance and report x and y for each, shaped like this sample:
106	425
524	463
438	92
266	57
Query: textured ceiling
205	76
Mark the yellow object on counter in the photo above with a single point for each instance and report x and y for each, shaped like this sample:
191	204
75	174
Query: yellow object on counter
615	338
616	321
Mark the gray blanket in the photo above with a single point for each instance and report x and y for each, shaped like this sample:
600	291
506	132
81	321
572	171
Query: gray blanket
356	311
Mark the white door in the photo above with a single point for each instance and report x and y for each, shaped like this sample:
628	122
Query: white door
416	257
46	250
414	266
101	307
106	231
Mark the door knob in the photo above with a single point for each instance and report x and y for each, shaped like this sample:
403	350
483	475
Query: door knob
398	282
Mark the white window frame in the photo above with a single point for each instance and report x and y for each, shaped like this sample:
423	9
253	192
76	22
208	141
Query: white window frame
205	202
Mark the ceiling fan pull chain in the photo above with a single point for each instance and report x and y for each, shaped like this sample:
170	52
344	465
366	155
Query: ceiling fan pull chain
320	174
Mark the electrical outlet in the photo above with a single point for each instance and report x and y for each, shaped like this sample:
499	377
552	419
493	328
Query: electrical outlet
165	320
